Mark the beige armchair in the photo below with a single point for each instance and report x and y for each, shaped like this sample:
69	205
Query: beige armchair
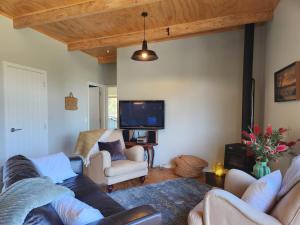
104	171
224	207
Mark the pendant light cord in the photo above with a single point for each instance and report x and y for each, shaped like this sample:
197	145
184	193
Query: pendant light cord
144	27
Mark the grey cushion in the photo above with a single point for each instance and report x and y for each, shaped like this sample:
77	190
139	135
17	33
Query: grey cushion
114	148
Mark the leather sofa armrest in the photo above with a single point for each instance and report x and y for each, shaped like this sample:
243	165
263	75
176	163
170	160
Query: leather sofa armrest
232	210
142	215
135	153
77	164
237	181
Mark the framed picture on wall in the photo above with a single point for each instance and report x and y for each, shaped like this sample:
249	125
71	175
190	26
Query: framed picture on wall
287	83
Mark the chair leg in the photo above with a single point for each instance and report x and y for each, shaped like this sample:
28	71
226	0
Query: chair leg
110	188
142	179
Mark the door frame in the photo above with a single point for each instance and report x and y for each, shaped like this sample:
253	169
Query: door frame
5	65
108	86
103	113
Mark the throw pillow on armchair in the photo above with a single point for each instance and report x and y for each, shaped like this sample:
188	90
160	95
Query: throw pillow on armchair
114	148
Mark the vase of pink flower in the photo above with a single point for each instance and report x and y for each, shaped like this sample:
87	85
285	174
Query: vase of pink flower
267	146
261	169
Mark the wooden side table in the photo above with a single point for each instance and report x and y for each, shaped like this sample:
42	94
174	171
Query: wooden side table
148	147
213	180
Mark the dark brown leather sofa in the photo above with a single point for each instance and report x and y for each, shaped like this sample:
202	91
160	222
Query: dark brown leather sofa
19	167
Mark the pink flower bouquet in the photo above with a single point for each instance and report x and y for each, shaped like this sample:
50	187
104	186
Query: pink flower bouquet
267	146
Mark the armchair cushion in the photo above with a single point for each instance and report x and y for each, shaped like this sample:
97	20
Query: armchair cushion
135	153
232	210
114	148
263	192
237	181
121	167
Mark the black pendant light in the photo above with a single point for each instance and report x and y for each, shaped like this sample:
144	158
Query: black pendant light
144	54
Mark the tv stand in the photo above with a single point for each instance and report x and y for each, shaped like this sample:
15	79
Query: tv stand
148	147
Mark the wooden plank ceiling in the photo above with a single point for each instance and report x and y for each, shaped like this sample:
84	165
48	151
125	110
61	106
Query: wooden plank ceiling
99	27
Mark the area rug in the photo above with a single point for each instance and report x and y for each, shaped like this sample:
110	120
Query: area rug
173	198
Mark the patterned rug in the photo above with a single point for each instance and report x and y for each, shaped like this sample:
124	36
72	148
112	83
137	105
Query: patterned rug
173	198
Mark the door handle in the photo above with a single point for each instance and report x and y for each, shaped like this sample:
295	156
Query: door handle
14	130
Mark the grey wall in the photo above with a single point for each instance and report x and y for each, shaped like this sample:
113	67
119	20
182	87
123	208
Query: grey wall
282	49
109	72
67	71
200	79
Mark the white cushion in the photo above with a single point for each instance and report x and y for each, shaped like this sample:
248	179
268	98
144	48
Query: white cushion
121	167
56	166
71	211
291	177
262	193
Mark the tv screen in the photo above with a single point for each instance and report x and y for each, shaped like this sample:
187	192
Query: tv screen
141	114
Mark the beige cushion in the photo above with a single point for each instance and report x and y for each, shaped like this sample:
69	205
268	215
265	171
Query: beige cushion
287	210
121	167
135	153
196	214
224	208
237	182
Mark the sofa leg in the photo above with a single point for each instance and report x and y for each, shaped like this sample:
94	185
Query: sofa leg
110	188
142	179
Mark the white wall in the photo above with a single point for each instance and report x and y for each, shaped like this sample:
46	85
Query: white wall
94	105
67	71
282	48
200	79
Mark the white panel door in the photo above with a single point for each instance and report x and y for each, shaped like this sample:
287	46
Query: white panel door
26	111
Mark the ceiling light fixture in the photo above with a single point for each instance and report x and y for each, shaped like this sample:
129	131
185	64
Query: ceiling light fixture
144	54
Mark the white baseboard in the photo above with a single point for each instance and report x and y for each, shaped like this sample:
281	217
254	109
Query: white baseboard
167	166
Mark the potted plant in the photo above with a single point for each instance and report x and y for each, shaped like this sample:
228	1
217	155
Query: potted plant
267	146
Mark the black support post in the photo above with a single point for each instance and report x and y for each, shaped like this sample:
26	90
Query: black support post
247	105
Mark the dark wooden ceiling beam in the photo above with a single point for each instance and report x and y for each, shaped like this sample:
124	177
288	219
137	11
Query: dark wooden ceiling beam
78	10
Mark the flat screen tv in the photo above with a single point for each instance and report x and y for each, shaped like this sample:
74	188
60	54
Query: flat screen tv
142	114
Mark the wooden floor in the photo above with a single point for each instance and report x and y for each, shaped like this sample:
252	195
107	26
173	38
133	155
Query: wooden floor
156	175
